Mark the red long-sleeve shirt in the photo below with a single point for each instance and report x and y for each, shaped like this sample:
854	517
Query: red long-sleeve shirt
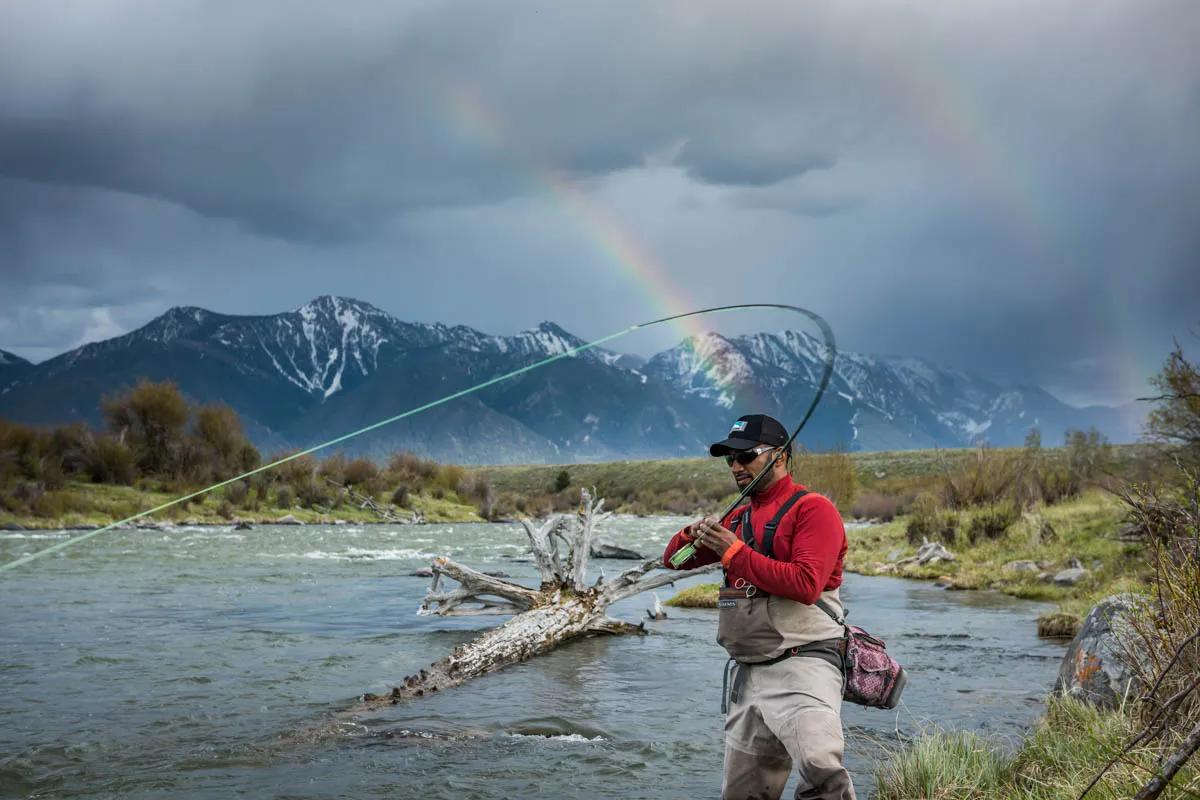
809	545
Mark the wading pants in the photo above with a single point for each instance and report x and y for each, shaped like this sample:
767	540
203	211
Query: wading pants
780	714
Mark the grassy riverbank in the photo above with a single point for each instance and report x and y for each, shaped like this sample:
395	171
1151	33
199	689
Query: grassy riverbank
81	505
1056	761
1085	529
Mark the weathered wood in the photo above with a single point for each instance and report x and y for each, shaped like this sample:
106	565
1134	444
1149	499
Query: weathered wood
562	609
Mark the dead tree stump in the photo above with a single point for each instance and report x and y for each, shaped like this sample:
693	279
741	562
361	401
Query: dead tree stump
562	608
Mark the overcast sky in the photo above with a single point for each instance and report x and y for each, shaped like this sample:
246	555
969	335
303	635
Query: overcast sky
1007	187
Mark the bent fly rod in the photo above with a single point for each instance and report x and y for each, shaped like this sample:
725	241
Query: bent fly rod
830	353
688	550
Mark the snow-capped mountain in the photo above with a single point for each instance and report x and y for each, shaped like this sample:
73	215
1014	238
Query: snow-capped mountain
12	366
873	402
337	364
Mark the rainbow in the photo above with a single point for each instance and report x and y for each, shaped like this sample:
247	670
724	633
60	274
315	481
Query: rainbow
473	114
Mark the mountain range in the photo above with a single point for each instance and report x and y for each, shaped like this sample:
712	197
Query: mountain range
337	364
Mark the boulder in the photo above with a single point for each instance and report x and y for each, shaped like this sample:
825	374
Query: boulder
601	549
1020	566
1070	577
1094	668
423	572
896	555
288	519
12	526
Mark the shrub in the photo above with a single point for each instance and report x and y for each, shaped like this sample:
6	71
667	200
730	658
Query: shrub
400	496
71	445
225	510
992	521
297	471
1088	454
360	472
562	481
237	493
313	493
151	417
929	521
1176	418
48	504
218	432
111	461
876	505
985	479
832	474
284	497
1162	649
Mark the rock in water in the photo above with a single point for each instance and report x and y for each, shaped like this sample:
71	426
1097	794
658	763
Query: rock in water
1094	668
242	525
601	549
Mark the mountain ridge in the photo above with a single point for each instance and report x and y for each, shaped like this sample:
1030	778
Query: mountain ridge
336	363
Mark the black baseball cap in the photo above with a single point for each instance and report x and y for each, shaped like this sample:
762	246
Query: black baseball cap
751	431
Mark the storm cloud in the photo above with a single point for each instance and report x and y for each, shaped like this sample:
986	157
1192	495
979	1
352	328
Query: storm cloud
1000	186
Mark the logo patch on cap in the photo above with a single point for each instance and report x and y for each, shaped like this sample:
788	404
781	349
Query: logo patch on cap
738	426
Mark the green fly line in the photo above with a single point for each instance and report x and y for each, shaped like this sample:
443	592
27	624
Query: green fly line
830	352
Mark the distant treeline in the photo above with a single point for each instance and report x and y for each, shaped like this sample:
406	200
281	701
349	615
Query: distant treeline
154	439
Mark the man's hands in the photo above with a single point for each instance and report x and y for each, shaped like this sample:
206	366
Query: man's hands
709	533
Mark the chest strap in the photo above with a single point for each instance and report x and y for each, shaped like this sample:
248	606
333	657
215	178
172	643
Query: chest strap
768	539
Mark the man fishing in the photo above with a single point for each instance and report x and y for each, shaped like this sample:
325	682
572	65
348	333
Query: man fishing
782	553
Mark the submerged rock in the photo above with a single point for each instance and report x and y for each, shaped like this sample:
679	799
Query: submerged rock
243	525
601	549
1095	668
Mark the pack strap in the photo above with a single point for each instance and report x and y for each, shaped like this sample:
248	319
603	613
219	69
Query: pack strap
768	542
828	609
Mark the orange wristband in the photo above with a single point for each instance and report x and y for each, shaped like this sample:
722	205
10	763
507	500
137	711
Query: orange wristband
731	552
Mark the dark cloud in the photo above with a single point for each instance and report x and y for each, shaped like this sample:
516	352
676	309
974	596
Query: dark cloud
1006	187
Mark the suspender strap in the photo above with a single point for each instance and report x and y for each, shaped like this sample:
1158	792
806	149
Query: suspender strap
769	531
821	604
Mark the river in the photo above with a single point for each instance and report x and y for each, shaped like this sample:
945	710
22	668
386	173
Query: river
148	664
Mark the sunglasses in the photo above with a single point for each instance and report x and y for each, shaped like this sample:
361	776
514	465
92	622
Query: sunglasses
746	458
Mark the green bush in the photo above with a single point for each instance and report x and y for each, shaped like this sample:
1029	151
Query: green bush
237	493
285	497
986	478
832	474
992	521
111	461
928	520
562	481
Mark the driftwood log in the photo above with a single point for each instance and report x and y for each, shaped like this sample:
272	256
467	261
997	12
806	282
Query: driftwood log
563	607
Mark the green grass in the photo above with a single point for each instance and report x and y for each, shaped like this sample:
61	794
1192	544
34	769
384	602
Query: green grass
701	596
81	504
1056	761
1084	528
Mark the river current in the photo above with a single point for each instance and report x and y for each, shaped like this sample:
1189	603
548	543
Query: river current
182	662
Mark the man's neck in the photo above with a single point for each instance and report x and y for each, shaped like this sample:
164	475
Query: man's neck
764	489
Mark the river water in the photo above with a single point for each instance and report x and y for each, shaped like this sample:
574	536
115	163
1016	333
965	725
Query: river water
180	663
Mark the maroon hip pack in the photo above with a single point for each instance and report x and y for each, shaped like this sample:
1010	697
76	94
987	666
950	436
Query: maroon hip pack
872	677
